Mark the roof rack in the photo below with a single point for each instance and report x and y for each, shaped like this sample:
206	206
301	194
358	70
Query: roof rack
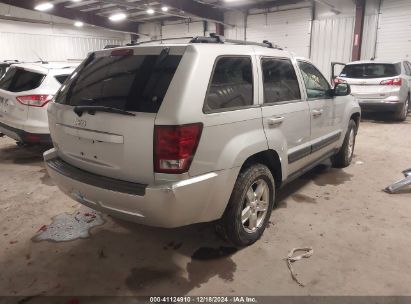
164	39
214	38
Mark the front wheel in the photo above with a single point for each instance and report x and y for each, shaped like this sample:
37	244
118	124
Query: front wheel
249	209
344	157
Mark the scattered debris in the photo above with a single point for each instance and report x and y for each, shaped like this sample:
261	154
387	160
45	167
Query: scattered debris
359	162
291	259
394	188
68	227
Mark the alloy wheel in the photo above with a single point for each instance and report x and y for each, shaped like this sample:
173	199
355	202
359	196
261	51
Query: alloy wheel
255	206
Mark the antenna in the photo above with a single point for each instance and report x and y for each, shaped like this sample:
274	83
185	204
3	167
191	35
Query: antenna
41	60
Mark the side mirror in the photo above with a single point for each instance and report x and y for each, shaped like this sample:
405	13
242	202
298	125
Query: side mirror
342	89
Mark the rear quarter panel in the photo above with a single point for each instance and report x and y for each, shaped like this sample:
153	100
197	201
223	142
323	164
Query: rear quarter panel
228	137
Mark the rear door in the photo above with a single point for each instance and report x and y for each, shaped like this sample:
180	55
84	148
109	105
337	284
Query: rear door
336	69
17	82
111	144
286	115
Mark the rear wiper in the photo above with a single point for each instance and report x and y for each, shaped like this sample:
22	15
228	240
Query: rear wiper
79	110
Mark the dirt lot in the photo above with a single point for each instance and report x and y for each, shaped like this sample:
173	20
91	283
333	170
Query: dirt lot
361	236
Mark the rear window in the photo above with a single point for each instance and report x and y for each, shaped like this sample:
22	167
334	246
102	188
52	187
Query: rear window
19	80
131	83
61	78
371	70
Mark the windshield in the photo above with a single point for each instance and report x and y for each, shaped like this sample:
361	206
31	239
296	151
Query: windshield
371	70
130	83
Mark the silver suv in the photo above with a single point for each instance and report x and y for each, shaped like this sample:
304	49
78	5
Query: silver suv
380	86
175	134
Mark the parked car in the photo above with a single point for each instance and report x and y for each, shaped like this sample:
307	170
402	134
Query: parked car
177	134
25	90
4	66
380	86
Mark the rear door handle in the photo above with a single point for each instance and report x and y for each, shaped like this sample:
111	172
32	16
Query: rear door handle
317	113
275	121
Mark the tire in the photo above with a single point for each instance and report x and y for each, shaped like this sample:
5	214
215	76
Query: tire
231	226
402	115
344	157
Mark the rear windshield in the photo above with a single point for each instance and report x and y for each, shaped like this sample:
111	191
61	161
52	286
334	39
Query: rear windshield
371	70
61	78
19	80
132	83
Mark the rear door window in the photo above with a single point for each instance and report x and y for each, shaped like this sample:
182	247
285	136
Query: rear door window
19	80
131	82
371	70
231	84
280	80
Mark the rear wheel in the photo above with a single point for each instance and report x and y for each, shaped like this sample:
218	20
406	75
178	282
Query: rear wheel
402	115
250	206
344	157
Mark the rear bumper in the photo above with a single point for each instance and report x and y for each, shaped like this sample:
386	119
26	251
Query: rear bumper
23	136
167	204
380	105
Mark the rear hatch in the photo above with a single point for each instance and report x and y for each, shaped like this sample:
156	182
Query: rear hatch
103	117
16	84
371	80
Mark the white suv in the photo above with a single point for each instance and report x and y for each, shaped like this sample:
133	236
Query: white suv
25	90
380	86
171	135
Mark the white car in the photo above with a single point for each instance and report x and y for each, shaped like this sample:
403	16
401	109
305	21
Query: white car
172	135
25	90
380	86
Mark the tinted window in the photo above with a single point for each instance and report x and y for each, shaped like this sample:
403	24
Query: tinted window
231	84
315	83
19	80
371	70
131	83
280	80
61	78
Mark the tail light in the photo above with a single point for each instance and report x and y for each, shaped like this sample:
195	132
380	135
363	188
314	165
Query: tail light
122	52
175	146
339	80
393	82
35	100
